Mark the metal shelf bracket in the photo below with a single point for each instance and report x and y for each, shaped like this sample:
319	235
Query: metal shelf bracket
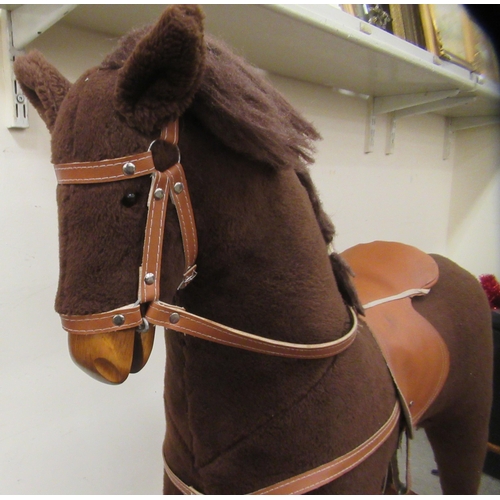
18	28
392	103
400	106
454	124
15	106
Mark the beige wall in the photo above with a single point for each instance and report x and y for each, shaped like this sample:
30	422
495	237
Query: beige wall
62	432
451	207
403	197
474	221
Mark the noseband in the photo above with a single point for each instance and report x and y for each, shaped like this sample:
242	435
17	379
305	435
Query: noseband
148	309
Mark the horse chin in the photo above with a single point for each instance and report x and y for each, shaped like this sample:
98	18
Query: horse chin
110	357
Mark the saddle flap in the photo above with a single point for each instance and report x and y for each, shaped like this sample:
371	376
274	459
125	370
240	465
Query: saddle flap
415	353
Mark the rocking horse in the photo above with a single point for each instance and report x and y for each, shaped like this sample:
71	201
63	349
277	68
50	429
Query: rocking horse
283	374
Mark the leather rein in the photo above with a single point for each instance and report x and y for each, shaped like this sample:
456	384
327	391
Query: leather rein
149	309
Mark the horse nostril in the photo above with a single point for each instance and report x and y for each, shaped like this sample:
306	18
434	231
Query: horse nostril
109	371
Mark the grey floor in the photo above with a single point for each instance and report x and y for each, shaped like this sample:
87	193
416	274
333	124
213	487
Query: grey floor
422	463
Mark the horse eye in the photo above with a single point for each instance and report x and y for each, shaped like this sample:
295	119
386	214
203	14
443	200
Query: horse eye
130	199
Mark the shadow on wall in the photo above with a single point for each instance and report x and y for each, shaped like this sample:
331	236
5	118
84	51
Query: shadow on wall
475	201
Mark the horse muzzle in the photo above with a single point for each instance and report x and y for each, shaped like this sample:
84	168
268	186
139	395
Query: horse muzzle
111	344
110	356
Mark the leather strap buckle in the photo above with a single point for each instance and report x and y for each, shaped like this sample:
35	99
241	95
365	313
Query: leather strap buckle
189	276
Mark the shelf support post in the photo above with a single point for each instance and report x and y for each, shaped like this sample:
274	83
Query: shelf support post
428	107
15	105
371	122
18	28
454	124
399	106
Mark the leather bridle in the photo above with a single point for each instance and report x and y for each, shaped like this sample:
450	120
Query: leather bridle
148	309
170	183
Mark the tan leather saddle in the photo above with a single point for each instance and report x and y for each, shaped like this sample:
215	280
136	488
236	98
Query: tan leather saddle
387	276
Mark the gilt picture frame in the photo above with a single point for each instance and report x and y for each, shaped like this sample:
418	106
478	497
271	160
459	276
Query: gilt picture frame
449	33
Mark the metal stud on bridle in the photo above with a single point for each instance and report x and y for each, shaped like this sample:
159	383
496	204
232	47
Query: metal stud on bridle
129	168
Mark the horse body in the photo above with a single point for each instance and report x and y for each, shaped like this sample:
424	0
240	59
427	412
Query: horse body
238	421
238	407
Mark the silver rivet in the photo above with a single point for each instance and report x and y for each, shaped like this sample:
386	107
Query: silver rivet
410	403
149	279
159	194
174	318
129	168
178	187
118	319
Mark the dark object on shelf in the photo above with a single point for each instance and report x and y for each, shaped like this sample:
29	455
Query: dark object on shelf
492	463
487	17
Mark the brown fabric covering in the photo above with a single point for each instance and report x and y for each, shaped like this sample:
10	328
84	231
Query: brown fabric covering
232	100
156	86
238	421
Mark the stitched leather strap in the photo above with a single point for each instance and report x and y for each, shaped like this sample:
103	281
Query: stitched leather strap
315	478
171	183
170	133
149	284
110	321
116	169
178	319
179	194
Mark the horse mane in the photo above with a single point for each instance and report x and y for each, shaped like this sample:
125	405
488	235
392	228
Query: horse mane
238	106
243	110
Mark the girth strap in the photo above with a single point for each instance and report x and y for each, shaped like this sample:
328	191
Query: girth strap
315	478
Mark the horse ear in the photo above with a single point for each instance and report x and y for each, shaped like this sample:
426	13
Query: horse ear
158	81
42	84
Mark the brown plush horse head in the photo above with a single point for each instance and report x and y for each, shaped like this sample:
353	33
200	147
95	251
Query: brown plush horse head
118	109
238	420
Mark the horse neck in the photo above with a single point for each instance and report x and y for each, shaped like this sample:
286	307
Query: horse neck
263	265
262	268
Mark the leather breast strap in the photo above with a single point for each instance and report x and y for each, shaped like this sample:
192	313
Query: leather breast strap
315	478
178	319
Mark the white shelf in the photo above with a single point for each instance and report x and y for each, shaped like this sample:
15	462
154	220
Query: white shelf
319	44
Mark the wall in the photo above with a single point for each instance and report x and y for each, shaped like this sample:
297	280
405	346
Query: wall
404	196
474	221
60	431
